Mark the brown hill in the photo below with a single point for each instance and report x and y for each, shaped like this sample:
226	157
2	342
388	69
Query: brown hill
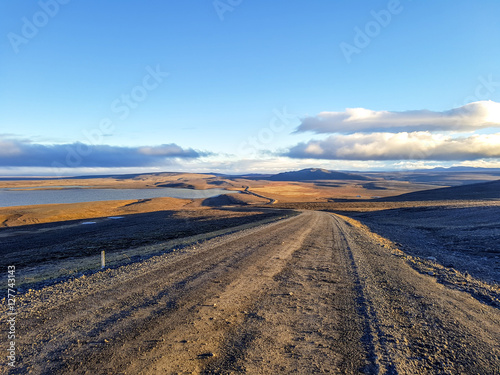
314	174
484	190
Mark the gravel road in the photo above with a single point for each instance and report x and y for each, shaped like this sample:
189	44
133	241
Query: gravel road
308	294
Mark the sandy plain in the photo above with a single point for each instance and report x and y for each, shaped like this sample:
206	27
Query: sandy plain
323	280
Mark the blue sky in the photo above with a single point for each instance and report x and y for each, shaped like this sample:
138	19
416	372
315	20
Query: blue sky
242	78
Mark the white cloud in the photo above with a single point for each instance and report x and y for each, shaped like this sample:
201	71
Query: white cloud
398	146
9	148
24	153
164	150
472	116
481	163
274	164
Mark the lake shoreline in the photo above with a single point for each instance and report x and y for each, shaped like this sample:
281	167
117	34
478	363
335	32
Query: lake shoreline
20	197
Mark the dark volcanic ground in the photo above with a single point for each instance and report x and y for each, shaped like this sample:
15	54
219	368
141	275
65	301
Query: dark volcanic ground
49	244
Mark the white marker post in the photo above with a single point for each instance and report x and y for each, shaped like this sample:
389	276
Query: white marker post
103	259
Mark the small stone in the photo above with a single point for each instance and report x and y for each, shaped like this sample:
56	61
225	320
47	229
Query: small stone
206	355
290	293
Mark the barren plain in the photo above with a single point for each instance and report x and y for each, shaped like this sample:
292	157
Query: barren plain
317	278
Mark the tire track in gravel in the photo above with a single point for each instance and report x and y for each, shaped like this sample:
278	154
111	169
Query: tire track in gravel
363	305
415	324
345	304
307	321
124	314
308	294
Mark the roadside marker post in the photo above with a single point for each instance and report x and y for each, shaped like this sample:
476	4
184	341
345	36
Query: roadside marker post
103	259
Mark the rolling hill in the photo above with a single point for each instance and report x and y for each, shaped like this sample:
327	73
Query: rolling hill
312	174
483	190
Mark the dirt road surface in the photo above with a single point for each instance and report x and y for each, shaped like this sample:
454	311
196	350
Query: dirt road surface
305	295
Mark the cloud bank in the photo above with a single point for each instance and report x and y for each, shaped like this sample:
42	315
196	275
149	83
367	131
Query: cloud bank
397	146
472	116
23	153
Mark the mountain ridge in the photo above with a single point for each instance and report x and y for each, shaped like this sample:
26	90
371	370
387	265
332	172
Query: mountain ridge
477	191
312	174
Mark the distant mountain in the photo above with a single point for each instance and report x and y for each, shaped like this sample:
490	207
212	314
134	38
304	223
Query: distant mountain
458	169
249	176
483	190
311	174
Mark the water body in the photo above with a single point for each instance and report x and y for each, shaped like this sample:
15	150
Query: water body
11	198
48	187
